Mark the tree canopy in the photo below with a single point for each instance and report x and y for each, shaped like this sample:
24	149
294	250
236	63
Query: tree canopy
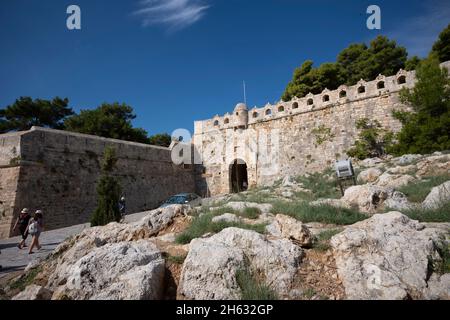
25	113
442	46
427	129
109	121
356	62
161	139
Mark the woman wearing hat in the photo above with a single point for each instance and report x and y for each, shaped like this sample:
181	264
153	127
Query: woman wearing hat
35	228
22	224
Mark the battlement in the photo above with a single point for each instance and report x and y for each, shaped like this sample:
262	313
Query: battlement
310	103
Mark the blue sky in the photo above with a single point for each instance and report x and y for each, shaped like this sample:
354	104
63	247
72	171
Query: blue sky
176	61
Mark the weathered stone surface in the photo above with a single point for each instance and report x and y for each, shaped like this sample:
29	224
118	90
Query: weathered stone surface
34	292
288	181
410	169
369	198
70	251
385	257
438	196
369	175
117	271
292	229
338	203
371	162
239	206
209	271
226	217
407	159
438	287
434	165
394	181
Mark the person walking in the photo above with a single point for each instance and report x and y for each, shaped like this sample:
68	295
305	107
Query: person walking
122	207
22	224
35	228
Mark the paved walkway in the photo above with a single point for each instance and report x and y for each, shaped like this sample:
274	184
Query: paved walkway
12	259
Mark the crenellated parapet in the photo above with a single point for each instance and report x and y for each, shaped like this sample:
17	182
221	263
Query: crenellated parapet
380	86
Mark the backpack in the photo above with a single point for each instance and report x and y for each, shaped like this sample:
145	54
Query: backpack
33	228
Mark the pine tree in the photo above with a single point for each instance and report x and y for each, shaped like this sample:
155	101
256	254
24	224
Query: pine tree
109	191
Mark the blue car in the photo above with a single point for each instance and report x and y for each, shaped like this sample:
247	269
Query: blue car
190	199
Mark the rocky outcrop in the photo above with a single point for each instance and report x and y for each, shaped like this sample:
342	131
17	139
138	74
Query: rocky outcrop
34	292
226	217
394	181
369	198
434	165
438	196
407	159
209	271
292	229
117	271
71	251
369	175
371	162
386	257
240	205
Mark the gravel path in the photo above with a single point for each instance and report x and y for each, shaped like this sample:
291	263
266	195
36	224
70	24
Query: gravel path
12	259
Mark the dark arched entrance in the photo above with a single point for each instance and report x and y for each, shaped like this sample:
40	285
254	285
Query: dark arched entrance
238	176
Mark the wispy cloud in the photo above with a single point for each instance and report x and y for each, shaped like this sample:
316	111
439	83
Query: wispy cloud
173	14
420	32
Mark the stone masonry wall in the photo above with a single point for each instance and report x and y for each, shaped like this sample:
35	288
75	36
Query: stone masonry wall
282	139
57	171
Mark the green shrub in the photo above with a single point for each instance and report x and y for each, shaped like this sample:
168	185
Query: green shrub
321	184
203	224
323	239
25	280
304	212
250	213
109	191
252	289
418	191
441	214
176	259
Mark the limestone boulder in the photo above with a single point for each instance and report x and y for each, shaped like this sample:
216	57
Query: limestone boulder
227	217
34	292
209	271
116	271
394	180
386	257
438	196
371	162
409	169
241	205
369	198
287	227
369	175
73	249
407	159
338	203
438	287
434	165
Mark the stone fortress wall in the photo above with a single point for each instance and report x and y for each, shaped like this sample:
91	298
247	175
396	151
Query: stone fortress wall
282	139
57	171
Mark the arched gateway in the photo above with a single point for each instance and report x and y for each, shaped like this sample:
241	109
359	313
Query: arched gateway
238	176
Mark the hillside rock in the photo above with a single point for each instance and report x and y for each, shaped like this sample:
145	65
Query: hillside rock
292	229
209	271
226	217
34	292
403	169
438	287
117	271
434	165
394	180
72	250
438	196
407	159
369	175
369	198
371	162
241	205
385	257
